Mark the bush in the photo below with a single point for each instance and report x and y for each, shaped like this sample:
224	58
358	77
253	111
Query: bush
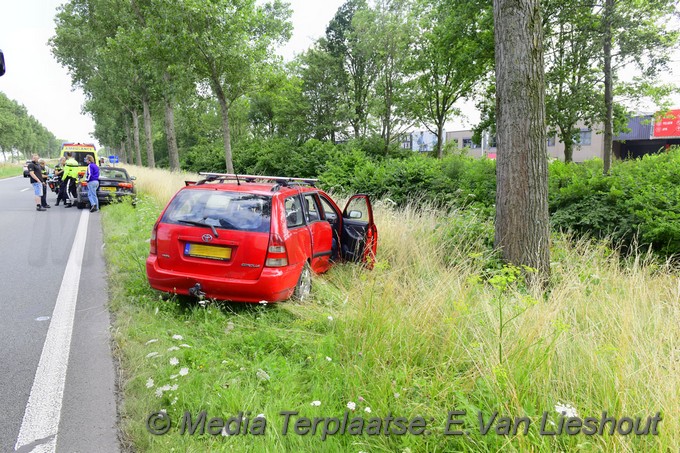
639	201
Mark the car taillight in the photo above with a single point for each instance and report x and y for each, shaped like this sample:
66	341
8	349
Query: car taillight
153	242
277	256
125	185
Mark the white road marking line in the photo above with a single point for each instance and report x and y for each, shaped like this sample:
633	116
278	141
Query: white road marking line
24	190
43	410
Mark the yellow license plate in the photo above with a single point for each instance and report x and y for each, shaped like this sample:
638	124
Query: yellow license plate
207	251
109	189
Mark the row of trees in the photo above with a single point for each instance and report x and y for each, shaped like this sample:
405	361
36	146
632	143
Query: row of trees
587	45
382	68
22	133
379	69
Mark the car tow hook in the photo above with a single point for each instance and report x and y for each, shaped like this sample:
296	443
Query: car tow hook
196	292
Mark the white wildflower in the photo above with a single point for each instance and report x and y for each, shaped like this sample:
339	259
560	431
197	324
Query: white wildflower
351	405
230	327
173	402
329	359
262	375
174	361
153	340
397	395
177	337
330	318
183	371
174	387
184	345
566	409
173	348
367	410
315	403
159	392
174	376
149	383
151	354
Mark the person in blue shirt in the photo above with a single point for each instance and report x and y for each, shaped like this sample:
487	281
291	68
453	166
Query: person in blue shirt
92	178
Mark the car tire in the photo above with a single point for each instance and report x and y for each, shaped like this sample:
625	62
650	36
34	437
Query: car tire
304	284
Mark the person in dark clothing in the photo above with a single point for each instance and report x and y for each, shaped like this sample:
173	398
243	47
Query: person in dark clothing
59	173
45	175
36	178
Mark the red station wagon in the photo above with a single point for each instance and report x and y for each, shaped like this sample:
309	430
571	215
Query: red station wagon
255	238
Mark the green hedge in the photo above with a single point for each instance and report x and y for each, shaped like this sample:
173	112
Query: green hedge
639	200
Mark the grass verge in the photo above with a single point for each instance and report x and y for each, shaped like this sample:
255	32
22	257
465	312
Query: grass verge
438	326
9	170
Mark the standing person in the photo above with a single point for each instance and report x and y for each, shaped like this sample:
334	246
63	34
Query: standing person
59	173
70	180
45	174
92	178
35	175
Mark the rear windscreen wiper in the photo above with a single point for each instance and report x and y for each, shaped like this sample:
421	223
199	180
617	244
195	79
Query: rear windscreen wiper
202	224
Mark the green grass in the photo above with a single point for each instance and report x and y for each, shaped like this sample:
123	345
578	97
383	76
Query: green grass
9	170
420	335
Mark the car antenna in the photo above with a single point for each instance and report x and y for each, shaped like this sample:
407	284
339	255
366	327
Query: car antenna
238	183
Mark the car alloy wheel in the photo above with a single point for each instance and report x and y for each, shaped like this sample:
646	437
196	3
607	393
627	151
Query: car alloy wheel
304	285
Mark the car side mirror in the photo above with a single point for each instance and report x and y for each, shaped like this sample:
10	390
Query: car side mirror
2	63
355	214
132	178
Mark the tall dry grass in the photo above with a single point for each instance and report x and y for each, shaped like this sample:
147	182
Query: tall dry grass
437	326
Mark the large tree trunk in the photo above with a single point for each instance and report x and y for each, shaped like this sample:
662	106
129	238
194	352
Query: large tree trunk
440	139
123	152
608	81
128	142
226	133
568	145
170	135
522	229
150	159
135	131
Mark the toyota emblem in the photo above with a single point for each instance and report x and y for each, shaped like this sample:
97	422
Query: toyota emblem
207	237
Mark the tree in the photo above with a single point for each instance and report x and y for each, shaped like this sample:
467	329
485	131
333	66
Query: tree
354	55
322	93
227	42
636	35
572	74
522	225
391	32
452	53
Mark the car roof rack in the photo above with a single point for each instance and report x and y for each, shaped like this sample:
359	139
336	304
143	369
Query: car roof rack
281	181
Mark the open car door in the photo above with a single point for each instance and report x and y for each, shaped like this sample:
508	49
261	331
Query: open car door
359	238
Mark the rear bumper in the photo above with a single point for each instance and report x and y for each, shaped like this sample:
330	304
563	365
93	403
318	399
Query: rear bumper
107	197
274	285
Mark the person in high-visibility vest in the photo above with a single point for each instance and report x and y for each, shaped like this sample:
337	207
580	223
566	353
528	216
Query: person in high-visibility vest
71	179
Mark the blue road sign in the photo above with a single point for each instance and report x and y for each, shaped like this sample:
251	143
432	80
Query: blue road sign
113	159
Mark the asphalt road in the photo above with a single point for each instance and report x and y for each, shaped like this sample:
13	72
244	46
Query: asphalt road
57	381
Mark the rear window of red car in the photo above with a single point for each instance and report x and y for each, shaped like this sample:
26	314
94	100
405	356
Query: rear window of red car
221	209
